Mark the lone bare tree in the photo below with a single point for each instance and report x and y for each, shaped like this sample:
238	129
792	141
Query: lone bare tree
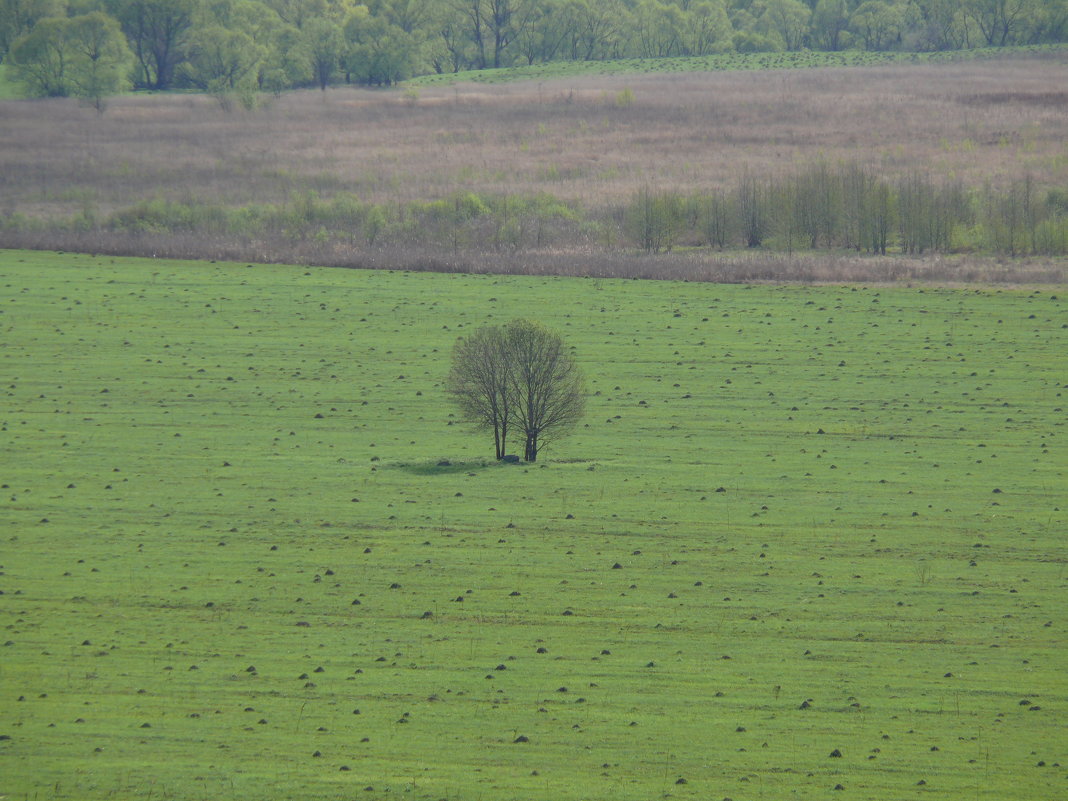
517	377
478	382
546	385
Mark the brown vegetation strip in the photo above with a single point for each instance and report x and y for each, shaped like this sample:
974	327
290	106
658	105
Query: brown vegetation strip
571	139
730	268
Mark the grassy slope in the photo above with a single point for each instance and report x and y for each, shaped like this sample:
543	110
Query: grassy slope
716	63
177	512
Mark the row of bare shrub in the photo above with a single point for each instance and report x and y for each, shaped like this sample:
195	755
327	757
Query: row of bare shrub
595	263
752	231
851	208
821	208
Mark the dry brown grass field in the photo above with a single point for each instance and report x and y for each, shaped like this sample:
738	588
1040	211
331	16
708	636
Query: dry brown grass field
590	141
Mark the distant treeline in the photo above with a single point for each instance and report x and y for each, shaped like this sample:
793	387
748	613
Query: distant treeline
823	208
92	48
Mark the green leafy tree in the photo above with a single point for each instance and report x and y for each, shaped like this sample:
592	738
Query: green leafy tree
465	29
39	59
943	25
281	64
505	20
299	12
222	60
597	28
1002	22
487	28
379	53
84	56
658	29
100	60
18	17
324	45
447	48
829	27
1051	22
296	12
786	20
410	16
284	64
706	29
256	19
545	34
158	32
878	24
417	19
747	36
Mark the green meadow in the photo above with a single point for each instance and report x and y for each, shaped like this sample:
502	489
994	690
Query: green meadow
799	59
807	539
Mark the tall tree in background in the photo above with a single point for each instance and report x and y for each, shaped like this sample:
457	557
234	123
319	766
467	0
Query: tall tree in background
785	21
323	42
542	39
506	20
281	63
517	377
1052	22
99	57
466	23
40	59
17	18
84	56
1001	22
878	24
222	61
593	29
380	53
829	27
943	25
707	30
657	29
158	31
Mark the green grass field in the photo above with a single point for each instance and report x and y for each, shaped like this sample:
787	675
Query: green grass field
803	59
798	521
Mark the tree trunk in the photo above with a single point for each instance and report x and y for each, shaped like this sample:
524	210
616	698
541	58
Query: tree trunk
500	438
